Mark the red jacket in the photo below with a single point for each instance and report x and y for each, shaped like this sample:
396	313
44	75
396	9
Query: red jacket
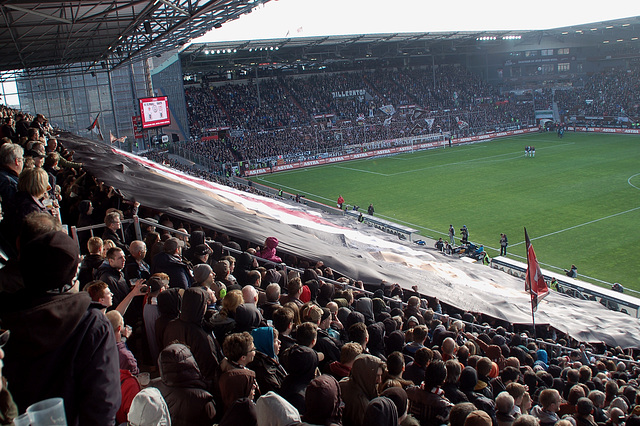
129	387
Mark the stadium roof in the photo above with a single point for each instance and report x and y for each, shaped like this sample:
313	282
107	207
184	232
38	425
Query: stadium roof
45	36
210	56
106	33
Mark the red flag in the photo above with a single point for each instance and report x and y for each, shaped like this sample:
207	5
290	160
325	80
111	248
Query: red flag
534	281
95	127
94	123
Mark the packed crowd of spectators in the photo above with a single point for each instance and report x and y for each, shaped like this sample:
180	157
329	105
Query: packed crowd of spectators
188	326
611	93
325	112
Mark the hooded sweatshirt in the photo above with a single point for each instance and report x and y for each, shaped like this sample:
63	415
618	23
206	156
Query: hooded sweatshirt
183	387
188	330
269	373
301	363
359	388
235	384
57	337
169	304
364	305
269	251
323	401
242	412
546	418
381	411
274	410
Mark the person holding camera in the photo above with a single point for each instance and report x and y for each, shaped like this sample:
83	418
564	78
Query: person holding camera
464	235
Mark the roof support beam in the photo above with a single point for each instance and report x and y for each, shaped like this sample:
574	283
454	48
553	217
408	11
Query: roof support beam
174	7
35	12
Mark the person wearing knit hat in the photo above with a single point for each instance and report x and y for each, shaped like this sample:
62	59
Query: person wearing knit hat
49	324
203	275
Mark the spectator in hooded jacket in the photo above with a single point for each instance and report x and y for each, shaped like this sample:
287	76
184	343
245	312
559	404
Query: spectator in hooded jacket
269	250
360	388
381	411
323	401
62	334
269	373
188	329
149	408
274	410
183	387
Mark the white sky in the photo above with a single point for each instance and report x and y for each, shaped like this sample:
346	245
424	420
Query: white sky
306	18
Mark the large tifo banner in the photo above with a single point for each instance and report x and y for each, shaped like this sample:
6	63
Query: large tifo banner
385	152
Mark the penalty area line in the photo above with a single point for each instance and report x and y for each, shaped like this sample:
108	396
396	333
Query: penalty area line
579	225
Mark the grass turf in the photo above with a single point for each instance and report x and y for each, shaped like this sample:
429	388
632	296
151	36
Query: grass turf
579	197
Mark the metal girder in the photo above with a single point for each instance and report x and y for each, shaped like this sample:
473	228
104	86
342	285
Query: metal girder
37	34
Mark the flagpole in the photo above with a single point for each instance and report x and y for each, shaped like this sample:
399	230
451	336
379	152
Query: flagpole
533	321
534	282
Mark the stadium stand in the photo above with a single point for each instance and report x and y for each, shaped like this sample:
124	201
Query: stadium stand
366	339
320	120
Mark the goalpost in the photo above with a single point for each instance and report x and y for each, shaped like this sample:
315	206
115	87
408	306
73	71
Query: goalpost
434	140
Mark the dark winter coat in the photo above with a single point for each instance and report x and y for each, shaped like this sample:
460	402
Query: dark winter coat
61	346
115	280
183	387
187	329
178	271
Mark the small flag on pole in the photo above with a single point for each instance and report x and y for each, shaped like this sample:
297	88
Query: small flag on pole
534	281
95	127
114	139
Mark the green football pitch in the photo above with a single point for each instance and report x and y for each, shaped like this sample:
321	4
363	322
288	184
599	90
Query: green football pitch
579	197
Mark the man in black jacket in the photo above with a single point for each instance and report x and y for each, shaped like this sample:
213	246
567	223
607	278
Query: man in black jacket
60	346
111	273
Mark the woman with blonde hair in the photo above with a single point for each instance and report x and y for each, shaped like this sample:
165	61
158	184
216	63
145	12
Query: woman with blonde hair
31	197
223	323
108	244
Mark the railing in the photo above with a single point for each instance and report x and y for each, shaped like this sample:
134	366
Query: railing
135	221
611	299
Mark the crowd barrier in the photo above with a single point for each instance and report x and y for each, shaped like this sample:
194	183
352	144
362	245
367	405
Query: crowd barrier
402	232
611	299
